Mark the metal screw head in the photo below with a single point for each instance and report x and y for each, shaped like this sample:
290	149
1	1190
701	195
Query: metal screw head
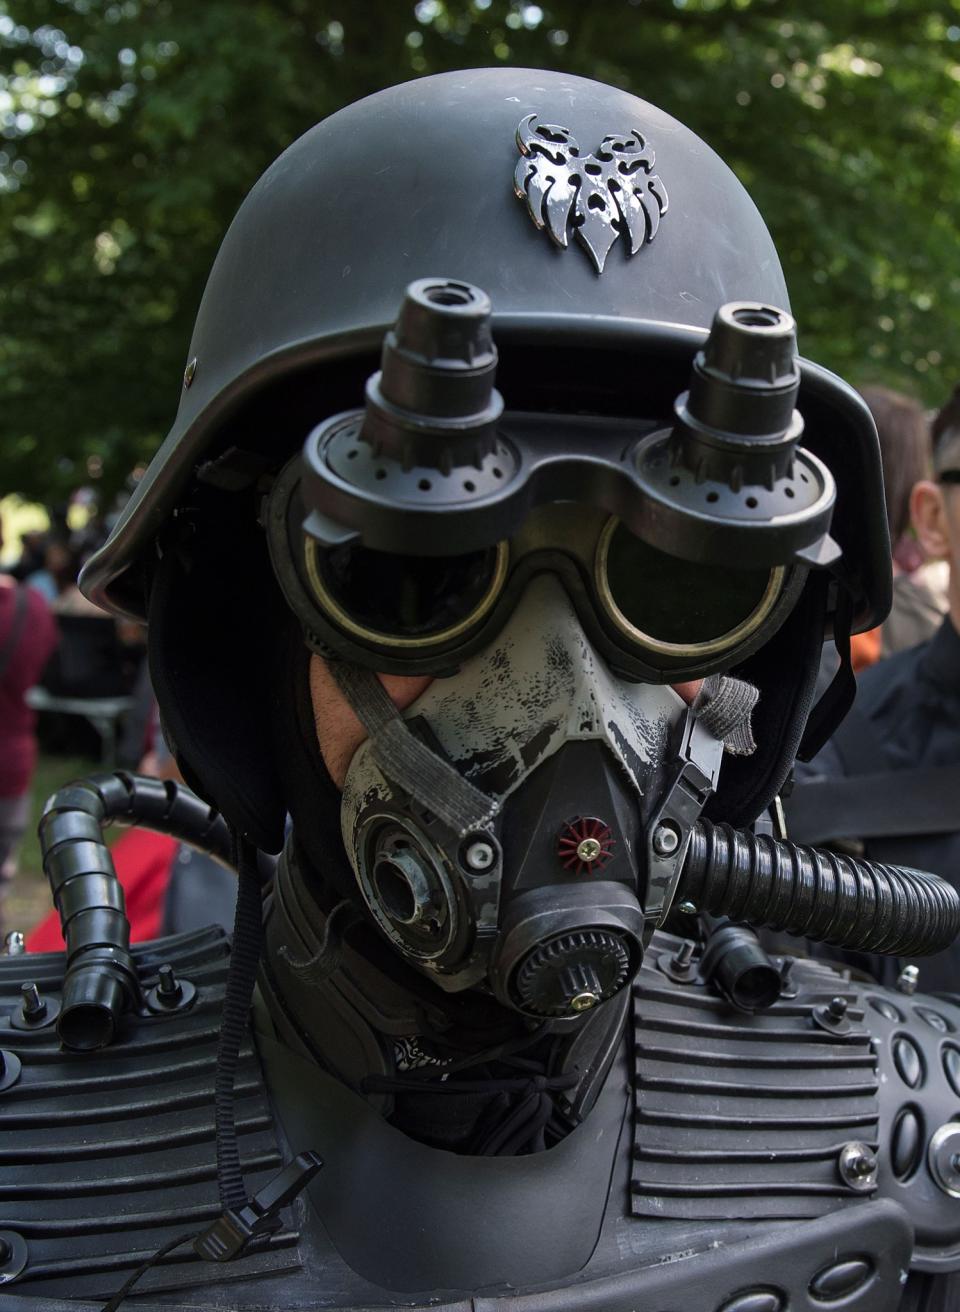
190	372
14	944
10	1068
908	979
832	1016
857	1166
480	856
688	908
13	1258
589	849
583	1001
943	1158
666	840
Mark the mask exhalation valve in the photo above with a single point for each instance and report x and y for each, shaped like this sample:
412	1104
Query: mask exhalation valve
572	973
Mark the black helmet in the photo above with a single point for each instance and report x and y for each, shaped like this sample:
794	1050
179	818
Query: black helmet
606	235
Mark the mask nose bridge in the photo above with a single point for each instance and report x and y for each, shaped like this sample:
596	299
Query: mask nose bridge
546	582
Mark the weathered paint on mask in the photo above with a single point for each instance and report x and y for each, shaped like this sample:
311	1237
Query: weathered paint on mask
539	686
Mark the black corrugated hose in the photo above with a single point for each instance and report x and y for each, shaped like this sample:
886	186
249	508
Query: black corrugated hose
100	981
768	882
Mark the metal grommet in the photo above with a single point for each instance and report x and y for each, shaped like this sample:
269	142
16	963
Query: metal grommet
943	1158
10	1068
13	1256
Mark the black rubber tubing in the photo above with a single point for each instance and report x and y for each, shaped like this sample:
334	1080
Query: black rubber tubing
100	981
831	898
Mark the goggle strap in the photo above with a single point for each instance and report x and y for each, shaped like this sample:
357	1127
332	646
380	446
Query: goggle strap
842	689
407	761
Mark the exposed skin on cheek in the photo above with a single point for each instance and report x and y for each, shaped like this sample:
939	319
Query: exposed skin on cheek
340	733
688	691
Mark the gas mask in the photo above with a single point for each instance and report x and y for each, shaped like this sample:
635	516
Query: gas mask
530	878
522	826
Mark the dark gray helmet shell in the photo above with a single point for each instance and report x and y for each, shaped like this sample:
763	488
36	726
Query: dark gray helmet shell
419	180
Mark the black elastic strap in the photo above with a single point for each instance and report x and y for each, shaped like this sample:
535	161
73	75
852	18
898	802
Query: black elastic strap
329	954
117	1298
838	697
241	977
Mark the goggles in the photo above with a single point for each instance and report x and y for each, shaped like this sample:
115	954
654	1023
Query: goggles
405	533
652	616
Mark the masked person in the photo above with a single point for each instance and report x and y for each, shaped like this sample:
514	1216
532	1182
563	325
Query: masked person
506	627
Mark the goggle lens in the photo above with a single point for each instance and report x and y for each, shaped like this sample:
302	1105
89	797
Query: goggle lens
409	601
678	607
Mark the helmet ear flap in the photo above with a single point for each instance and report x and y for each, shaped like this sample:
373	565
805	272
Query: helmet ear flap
214	616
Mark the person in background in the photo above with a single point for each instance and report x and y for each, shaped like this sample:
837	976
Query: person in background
28	636
887	784
33	550
918	607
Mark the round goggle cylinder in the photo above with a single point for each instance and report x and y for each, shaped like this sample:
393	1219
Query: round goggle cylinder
730	478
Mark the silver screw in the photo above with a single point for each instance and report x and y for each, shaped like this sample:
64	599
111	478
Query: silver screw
908	979
666	840
15	944
480	856
857	1165
190	372
588	849
688	908
584	1001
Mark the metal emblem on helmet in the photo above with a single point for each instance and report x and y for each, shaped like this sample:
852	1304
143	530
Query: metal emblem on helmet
612	192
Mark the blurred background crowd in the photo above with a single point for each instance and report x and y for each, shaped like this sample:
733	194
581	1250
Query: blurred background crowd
131	129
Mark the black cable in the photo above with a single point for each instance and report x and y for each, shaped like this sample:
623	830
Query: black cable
116	1299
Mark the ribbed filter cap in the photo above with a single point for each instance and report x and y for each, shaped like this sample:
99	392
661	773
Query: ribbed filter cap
437	371
743	390
730	480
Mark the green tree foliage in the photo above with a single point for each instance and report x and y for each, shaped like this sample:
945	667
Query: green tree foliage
133	129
